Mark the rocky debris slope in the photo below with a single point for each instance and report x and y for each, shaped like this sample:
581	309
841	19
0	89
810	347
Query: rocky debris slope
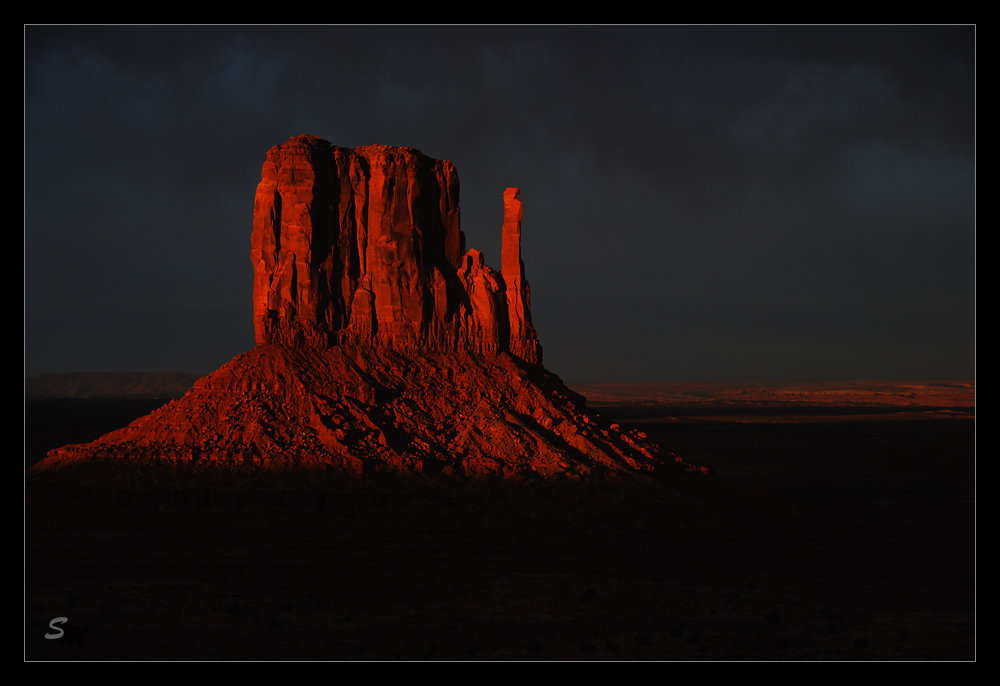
362	411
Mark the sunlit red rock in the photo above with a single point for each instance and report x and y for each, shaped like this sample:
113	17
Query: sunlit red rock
383	347
368	411
523	340
363	246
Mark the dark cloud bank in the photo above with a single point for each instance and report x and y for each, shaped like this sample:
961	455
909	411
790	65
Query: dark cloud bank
700	203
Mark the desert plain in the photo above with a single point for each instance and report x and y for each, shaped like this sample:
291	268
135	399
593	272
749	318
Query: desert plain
838	523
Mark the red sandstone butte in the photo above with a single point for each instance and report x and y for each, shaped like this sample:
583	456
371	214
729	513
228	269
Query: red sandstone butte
383	347
363	246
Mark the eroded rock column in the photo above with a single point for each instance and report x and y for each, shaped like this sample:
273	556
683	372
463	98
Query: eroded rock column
523	340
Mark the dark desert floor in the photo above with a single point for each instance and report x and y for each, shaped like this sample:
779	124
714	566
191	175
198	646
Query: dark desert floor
830	530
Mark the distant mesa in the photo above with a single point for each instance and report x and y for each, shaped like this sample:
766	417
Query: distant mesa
383	347
110	385
927	395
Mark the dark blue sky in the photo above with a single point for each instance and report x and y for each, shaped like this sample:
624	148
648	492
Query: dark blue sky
699	203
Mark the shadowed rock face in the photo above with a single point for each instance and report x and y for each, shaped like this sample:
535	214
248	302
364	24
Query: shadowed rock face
363	246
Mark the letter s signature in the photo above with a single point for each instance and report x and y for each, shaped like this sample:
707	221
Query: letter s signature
52	625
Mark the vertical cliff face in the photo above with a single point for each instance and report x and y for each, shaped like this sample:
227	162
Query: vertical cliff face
363	246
